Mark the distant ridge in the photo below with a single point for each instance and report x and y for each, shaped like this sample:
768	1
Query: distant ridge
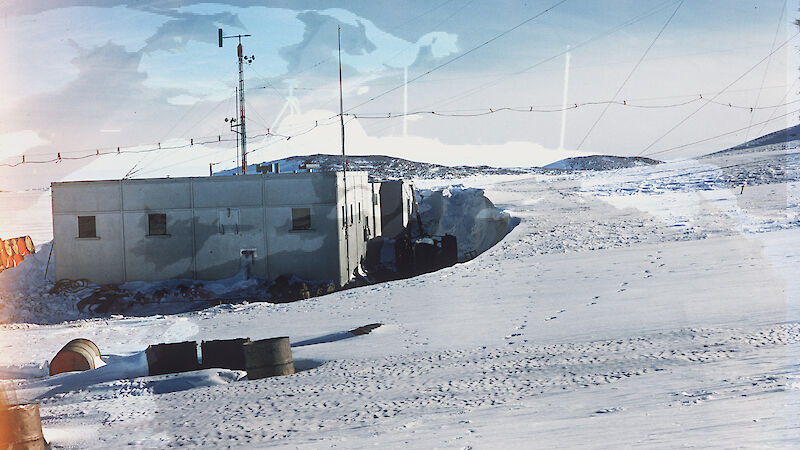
776	137
601	162
388	167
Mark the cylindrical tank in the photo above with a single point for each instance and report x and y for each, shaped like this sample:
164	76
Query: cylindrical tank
21	428
268	358
77	355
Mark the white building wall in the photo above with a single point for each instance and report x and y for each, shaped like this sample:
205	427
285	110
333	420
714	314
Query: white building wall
209	222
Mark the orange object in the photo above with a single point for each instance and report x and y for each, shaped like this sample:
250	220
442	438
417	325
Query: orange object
22	249
16	259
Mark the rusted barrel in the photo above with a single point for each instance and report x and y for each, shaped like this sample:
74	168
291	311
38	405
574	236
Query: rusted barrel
224	353
5	257
268	358
77	355
21	428
172	358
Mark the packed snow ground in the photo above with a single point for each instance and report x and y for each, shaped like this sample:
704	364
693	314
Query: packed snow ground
655	306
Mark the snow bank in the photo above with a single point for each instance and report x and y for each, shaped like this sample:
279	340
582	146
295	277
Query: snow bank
29	275
27	294
464	213
24	292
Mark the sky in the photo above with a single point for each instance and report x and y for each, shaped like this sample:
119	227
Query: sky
82	77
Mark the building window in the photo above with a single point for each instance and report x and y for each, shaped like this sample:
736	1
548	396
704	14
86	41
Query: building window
301	218
87	228
156	224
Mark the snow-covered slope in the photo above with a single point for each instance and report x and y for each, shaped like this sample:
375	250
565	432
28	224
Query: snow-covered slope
768	141
601	162
652	306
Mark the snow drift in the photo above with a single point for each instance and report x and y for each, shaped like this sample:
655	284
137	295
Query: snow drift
464	213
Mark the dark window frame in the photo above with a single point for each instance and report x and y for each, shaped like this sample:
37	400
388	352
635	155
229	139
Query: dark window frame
154	222
87	227
301	219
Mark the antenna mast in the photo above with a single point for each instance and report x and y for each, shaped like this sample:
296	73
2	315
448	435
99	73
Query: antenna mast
344	158
241	125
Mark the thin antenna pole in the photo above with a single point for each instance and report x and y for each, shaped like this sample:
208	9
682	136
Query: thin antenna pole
241	108
344	158
564	103
236	98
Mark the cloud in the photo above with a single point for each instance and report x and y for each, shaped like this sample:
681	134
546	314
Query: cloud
367	48
38	51
18	142
186	26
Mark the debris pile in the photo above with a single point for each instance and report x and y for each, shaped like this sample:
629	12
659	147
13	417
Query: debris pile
14	250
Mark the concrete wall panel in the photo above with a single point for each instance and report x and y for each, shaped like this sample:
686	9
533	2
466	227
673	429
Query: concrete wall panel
98	259
152	258
220	192
156	194
219	254
310	254
289	189
90	196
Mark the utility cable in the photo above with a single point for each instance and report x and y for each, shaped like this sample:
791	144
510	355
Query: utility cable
452	60
636	66
766	69
541	109
685	119
588	41
678	147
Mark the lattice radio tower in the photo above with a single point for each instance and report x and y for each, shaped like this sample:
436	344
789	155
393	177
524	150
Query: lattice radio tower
240	126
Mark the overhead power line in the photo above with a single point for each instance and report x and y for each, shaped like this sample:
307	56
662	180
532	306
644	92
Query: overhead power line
59	157
685	119
766	69
456	58
541	109
738	130
636	66
586	42
306	129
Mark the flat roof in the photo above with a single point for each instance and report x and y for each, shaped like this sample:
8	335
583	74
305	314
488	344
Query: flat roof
216	178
